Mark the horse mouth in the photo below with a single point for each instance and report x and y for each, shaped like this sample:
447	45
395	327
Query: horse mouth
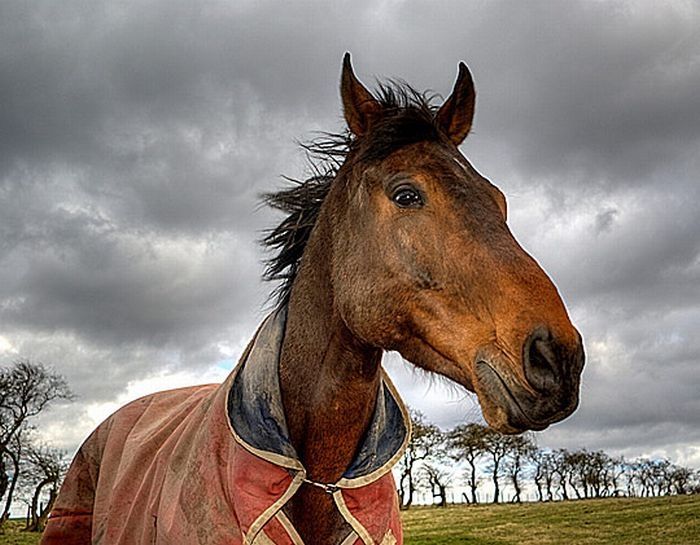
511	408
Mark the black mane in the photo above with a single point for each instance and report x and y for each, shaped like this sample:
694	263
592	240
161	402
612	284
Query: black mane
408	116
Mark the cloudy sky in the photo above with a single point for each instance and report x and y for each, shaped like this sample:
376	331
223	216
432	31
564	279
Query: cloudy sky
135	138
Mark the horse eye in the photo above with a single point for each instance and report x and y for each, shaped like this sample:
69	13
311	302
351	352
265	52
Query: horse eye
407	197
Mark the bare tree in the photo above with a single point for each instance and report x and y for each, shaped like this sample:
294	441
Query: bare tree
617	465
497	446
681	479
520	449
588	472
562	470
630	476
26	389
576	465
43	470
661	470
437	479
652	476
694	485
425	439
642	473
4	476
543	473
466	442
13	453
598	476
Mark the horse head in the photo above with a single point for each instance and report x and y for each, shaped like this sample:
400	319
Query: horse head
423	261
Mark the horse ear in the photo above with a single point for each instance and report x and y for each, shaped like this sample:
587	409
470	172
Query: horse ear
359	106
455	116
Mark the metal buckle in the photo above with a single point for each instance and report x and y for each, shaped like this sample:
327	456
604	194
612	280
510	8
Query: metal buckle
326	487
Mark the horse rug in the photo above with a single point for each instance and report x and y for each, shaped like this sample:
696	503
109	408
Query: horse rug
213	465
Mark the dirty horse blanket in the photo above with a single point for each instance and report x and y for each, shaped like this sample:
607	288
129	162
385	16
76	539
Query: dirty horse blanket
214	465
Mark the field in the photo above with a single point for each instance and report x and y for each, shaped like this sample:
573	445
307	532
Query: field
13	536
657	521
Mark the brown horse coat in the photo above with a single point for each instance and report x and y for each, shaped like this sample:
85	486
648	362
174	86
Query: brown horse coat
213	465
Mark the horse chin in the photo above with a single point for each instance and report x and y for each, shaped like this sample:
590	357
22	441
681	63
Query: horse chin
499	406
511	408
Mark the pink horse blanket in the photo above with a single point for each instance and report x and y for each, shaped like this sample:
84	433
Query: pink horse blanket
213	465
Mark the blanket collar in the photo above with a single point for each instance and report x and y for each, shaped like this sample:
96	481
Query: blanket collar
257	418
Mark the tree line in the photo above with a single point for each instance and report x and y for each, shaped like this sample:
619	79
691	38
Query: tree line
29	470
435	461
469	455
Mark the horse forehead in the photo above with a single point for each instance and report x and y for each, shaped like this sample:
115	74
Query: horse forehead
447	171
429	160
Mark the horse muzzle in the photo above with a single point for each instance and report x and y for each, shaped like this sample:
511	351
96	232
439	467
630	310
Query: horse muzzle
544	390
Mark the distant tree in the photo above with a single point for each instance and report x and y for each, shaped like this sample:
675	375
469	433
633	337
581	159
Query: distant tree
652	476
661	471
437	479
562	470
4	476
13	453
595	475
576	463
425	439
630	477
617	468
497	446
520	449
587	473
26	389
43	471
642	476
681	479
694	485
466	442
543	473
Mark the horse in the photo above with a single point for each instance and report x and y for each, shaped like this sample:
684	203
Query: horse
395	243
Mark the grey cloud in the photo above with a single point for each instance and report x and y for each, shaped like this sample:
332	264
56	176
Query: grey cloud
126	294
605	219
574	94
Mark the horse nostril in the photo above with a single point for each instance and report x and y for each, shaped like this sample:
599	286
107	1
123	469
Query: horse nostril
542	368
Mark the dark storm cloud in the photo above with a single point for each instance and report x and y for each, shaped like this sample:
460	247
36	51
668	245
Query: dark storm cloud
172	115
123	290
644	258
601	92
136	137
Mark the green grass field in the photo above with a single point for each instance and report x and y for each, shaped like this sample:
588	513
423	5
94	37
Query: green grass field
11	535
656	521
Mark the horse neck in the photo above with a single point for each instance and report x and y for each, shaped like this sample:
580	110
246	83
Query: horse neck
329	378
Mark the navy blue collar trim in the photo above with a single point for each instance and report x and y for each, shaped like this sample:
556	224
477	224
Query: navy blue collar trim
257	416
